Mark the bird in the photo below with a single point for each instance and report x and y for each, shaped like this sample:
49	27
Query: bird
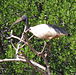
43	31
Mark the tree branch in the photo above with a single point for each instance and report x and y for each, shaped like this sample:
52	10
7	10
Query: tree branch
24	60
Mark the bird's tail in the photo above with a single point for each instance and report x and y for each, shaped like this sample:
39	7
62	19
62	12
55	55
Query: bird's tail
68	34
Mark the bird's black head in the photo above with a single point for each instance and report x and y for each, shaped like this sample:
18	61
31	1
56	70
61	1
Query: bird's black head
24	18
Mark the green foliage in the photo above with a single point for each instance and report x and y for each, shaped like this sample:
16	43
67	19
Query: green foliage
63	50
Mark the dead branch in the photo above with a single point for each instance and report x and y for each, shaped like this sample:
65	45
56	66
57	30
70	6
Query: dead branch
18	47
47	65
24	60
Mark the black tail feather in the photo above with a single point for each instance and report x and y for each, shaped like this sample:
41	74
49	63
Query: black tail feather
68	34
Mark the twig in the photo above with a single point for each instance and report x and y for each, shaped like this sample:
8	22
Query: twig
22	46
47	66
13	45
12	36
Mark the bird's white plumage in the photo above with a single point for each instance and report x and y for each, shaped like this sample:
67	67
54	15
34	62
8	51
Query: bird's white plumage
43	31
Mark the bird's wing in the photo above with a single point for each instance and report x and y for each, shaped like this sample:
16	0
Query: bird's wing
58	29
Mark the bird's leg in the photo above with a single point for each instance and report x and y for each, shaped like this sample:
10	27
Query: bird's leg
41	53
26	30
44	56
31	37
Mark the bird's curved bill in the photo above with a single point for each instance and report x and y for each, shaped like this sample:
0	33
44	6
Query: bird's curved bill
17	21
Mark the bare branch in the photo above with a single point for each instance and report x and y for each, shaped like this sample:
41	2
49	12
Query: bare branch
12	36
13	45
24	60
22	46
47	64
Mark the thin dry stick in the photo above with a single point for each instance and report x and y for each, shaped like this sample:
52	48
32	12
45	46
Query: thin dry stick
21	39
13	45
12	36
22	46
47	65
46	62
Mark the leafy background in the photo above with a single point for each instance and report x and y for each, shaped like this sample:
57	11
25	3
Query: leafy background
63	50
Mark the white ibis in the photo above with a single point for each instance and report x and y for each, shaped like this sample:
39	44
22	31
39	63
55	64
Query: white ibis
44	31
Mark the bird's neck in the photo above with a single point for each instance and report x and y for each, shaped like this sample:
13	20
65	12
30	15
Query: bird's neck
26	23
